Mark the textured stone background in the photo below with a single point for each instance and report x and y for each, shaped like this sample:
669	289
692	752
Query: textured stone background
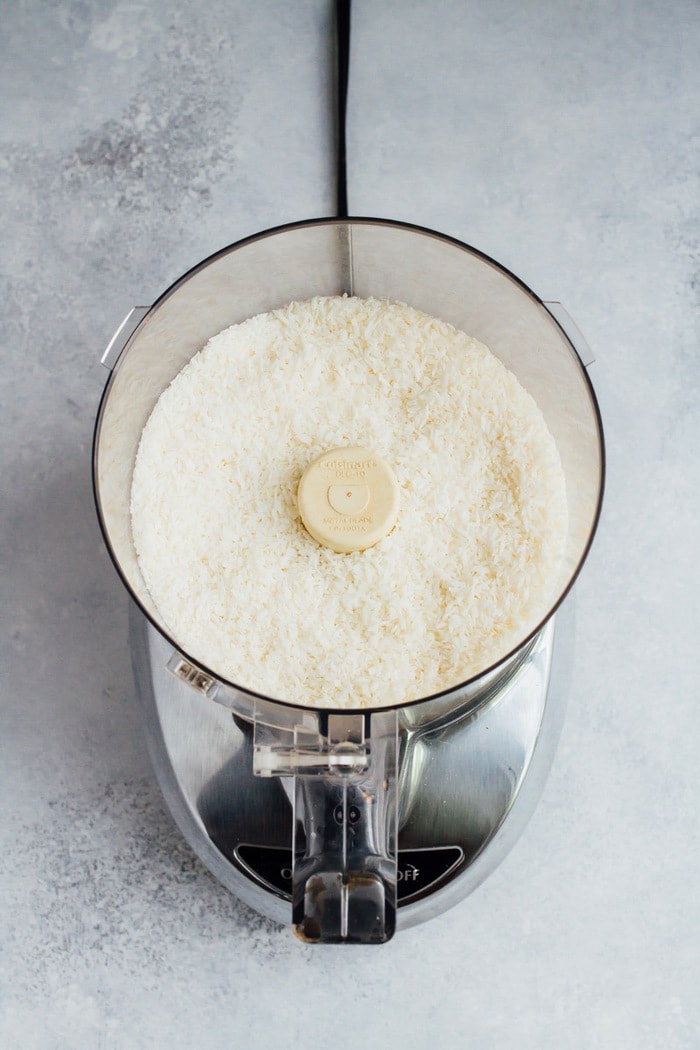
138	137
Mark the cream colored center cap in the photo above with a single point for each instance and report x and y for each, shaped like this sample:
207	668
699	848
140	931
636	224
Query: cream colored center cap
348	499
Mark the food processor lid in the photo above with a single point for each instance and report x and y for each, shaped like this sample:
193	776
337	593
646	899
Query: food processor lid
369	258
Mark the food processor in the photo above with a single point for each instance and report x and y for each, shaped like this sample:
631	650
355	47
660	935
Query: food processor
352	823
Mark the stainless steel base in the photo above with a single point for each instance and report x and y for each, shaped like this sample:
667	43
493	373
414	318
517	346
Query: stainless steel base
467	787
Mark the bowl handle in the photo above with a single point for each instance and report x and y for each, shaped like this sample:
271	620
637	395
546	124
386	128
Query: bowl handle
344	844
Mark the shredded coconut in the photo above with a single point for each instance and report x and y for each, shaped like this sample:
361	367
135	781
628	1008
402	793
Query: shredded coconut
464	576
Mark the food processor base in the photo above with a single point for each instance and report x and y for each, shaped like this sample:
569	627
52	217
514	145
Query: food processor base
467	786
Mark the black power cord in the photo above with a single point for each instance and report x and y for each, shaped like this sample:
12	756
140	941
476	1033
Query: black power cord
342	28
